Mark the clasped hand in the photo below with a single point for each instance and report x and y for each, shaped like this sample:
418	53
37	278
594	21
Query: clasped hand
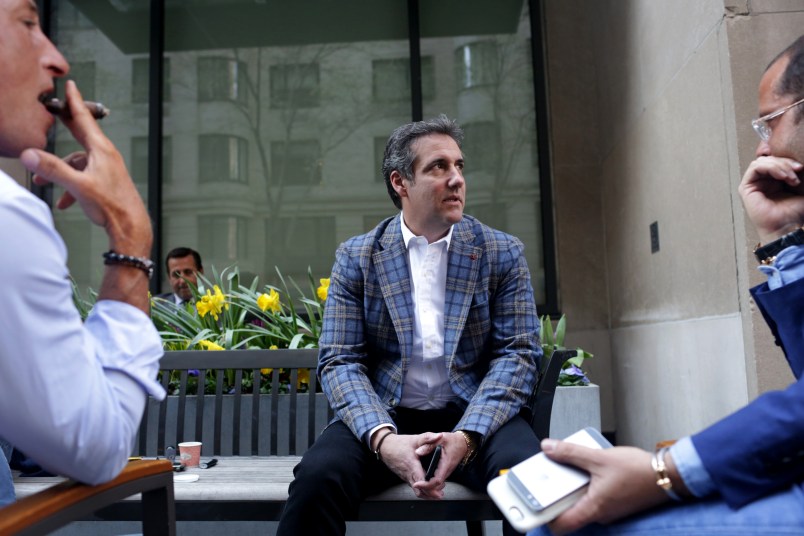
403	455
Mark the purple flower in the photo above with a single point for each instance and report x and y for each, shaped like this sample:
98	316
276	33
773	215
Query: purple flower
193	372
574	375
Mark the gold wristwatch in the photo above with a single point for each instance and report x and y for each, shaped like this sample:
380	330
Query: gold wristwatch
472	443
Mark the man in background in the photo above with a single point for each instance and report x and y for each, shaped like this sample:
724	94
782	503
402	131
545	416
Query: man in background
183	266
71	393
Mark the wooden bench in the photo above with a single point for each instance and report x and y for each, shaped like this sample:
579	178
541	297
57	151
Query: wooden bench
67	501
258	439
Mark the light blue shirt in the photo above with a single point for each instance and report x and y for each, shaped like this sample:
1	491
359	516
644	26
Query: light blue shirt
787	268
71	393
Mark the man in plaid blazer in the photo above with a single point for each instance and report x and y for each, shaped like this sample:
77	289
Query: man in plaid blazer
430	338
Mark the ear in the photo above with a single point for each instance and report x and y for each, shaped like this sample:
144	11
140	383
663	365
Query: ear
398	182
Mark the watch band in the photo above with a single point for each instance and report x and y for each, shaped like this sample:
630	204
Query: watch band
471	447
767	254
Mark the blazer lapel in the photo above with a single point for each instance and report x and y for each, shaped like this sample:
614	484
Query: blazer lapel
463	266
393	275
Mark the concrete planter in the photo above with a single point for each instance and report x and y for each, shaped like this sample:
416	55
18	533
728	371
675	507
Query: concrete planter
573	409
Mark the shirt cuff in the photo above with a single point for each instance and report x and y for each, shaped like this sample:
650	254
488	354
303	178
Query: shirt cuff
787	268
126	340
691	468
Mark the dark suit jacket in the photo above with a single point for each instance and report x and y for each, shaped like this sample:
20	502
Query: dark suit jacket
491	338
760	448
167	296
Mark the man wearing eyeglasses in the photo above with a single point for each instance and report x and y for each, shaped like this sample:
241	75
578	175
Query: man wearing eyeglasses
744	474
183	266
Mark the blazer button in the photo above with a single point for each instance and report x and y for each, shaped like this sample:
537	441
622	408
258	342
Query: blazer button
392	403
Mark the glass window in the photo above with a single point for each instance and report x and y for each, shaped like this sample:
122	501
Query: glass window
295	163
391	79
70	18
298	243
496	106
138	165
225	239
140	75
481	144
83	72
379	154
476	64
101	67
222	158
294	85
221	79
322	100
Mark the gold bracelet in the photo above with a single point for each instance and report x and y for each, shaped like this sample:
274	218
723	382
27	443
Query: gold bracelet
471	448
662	476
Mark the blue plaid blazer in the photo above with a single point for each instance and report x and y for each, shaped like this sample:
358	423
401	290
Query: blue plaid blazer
491	335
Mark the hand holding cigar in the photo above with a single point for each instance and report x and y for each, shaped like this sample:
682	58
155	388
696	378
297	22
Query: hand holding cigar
60	108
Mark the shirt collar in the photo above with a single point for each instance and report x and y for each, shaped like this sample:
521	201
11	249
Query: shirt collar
407	234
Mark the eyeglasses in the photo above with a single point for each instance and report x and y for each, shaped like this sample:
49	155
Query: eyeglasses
761	125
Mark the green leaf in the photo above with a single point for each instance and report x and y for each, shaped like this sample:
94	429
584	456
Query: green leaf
561	330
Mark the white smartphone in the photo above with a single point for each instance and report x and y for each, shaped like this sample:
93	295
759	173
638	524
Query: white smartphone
538	489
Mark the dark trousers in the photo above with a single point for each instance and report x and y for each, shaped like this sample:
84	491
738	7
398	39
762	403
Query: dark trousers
339	470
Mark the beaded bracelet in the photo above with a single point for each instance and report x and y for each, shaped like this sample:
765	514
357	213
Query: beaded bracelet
146	265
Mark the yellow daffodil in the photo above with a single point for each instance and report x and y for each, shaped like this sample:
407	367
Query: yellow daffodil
304	377
212	303
209	345
269	301
323	289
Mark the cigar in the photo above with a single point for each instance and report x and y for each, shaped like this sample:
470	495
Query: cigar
57	107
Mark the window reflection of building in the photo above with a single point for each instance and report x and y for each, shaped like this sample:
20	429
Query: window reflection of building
83	72
481	144
296	243
295	85
295	163
225	238
140	74
308	147
476	64
379	154
138	166
222	158
391	79
221	79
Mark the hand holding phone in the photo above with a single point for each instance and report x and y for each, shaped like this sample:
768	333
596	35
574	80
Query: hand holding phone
538	489
431	469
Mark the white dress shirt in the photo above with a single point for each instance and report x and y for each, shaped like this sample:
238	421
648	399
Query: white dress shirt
426	384
71	394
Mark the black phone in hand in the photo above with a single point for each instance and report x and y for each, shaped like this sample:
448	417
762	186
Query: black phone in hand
433	463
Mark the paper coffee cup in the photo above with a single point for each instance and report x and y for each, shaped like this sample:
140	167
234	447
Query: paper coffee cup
190	453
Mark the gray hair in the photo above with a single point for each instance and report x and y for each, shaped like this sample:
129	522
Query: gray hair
399	155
